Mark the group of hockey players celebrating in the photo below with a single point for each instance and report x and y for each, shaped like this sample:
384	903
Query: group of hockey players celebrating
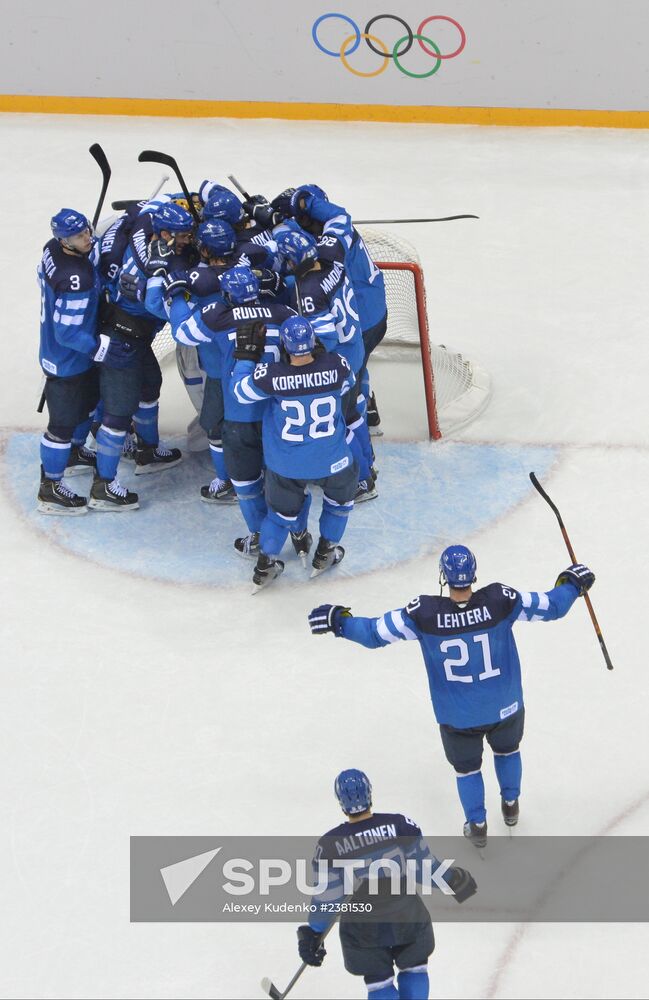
275	307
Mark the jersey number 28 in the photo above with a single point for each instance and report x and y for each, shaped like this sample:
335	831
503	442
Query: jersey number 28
322	412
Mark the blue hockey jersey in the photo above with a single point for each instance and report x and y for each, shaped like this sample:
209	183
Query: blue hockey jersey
70	293
213	329
365	276
473	668
304	433
388	836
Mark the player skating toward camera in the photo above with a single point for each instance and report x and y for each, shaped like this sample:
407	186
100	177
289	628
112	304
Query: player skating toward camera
473	668
304	441
397	933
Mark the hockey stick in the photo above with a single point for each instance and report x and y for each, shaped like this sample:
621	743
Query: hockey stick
99	156
121	206
393	222
537	486
240	189
270	988
152	156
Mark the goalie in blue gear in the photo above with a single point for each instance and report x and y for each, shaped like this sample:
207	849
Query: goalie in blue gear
474	672
398	936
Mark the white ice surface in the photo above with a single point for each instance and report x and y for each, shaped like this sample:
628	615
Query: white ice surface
134	707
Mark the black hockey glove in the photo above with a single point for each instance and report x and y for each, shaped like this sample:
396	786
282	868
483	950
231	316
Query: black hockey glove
582	577
328	618
132	287
259	209
282	203
113	351
311	949
270	282
462	883
159	258
176	283
251	341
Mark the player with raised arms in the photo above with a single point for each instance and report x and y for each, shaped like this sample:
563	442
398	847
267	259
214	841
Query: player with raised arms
473	668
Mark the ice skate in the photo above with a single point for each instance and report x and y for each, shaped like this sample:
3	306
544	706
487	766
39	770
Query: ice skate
302	542
152	458
248	546
510	810
81	460
54	497
477	834
266	571
111	495
220	491
326	555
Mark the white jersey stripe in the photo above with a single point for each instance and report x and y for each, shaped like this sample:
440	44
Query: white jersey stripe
384	631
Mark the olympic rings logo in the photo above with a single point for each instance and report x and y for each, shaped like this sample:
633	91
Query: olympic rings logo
350	43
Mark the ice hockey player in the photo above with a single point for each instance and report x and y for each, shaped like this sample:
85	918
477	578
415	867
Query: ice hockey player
131	390
214	329
313	211
399	931
473	668
69	346
304	441
325	296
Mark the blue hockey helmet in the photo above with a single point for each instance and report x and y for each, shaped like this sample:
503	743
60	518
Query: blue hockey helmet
457	567
217	237
316	191
296	247
68	223
239	285
172	218
297	335
354	791
223	204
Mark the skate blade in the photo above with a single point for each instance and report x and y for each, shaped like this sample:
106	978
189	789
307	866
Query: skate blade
376	432
106	505
226	502
372	495
145	470
46	508
78	470
316	572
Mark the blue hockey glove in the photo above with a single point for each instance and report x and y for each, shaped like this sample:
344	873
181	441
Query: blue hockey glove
311	949
113	351
328	618
462	883
132	287
175	283
579	575
251	341
159	258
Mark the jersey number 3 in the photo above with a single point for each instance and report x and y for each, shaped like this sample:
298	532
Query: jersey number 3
488	669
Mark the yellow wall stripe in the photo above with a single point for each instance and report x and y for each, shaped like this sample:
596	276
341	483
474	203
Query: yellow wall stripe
28	103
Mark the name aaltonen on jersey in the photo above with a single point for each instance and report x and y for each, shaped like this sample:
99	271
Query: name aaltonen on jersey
374	835
475	616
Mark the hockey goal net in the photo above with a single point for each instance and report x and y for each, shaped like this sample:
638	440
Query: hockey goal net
456	388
